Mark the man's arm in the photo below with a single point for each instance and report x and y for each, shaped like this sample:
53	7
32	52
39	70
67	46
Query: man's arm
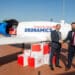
60	41
67	38
66	41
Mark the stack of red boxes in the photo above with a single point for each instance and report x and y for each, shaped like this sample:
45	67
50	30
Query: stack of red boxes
36	59
37	56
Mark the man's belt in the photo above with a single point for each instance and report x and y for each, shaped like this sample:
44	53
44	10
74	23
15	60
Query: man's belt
55	42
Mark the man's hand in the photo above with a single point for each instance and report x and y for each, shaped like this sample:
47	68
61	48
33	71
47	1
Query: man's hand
65	45
61	41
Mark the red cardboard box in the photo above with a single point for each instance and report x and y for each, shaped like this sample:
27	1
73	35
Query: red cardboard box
36	47
35	62
36	50
22	60
46	49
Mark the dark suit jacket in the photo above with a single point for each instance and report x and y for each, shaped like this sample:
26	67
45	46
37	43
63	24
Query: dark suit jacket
69	37
55	39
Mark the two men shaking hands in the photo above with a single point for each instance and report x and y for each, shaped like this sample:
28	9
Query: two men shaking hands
57	43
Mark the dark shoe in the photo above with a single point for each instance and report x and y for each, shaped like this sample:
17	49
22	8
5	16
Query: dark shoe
51	67
58	66
67	68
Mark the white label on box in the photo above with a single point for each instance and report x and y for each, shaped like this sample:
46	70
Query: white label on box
46	59
38	62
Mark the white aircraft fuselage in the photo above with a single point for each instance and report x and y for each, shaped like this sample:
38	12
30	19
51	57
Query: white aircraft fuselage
41	29
35	31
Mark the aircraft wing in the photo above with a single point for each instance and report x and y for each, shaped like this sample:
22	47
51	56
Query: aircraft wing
18	40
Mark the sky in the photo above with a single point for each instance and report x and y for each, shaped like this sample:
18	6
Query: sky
38	10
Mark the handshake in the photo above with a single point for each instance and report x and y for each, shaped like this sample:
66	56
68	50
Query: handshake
61	41
63	44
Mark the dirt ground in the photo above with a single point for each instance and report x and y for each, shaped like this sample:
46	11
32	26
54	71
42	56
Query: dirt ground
9	66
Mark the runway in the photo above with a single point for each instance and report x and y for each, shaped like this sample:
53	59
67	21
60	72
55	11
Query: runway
9	66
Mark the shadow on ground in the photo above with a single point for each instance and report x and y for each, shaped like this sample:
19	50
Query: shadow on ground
8	58
68	73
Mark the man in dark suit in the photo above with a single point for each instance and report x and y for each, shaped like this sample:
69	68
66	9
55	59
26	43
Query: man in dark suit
55	46
71	42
